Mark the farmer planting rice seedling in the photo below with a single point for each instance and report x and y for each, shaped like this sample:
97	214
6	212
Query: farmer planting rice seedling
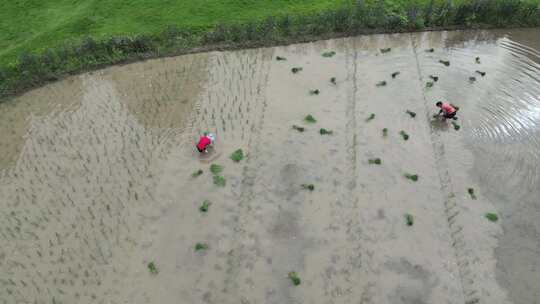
318	186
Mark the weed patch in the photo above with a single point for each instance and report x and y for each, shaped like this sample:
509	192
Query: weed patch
492	217
237	155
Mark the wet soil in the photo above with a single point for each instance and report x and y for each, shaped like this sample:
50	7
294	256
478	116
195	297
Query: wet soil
96	177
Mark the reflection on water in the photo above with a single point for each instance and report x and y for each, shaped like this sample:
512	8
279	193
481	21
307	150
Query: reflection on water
501	118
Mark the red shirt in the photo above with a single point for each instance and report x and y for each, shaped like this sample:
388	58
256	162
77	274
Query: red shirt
447	108
203	143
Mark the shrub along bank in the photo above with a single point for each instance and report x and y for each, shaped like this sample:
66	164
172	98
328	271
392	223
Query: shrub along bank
32	70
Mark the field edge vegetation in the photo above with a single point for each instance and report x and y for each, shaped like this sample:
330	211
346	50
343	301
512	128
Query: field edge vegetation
32	70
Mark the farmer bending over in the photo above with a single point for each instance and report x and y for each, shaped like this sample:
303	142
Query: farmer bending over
205	141
447	110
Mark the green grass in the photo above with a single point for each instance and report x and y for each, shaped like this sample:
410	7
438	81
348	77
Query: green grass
35	25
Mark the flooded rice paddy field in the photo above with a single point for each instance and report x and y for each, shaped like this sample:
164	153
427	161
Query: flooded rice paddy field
96	177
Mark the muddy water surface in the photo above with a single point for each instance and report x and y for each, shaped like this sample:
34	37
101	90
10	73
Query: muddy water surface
96	177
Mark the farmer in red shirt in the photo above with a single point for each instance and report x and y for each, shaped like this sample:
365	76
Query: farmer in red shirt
448	110
205	141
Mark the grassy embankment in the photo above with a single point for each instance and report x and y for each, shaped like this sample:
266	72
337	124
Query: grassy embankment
42	41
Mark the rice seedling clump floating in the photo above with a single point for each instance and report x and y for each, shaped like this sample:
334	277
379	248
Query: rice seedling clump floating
215	168
237	155
205	206
295	279
471	193
152	268
324	131
409	219
492	217
374	161
309	118
413	177
299	129
201	246
328	54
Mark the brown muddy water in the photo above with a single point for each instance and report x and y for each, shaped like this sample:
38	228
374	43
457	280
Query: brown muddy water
95	177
